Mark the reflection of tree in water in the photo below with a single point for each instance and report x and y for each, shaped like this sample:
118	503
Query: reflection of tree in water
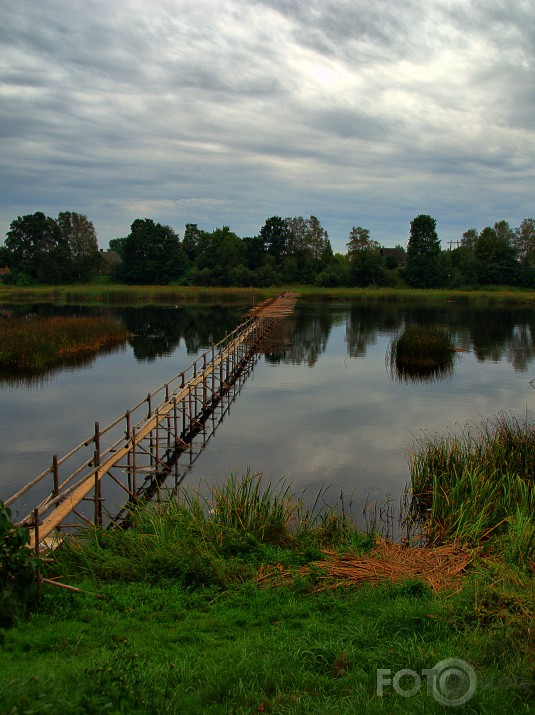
312	327
365	321
498	332
521	351
158	331
493	333
39	377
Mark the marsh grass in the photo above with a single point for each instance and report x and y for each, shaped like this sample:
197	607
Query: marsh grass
211	539
119	294
420	352
478	485
33	343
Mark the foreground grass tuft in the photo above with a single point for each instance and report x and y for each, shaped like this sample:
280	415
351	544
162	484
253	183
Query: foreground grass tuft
478	486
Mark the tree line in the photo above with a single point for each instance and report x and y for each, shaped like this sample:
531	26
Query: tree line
293	250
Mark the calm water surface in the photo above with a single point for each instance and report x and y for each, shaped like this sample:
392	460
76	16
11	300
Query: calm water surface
321	409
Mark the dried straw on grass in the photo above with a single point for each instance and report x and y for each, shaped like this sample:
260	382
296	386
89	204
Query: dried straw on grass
439	567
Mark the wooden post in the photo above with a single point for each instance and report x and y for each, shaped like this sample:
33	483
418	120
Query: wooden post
204	388
175	421
213	373
134	465
129	454
183	407
157	447
55	490
168	419
98	490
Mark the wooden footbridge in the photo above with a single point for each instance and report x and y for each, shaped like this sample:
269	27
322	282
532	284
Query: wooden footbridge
135	454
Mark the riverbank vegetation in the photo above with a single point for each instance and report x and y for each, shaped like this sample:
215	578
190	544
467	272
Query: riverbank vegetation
290	251
244	601
33	343
479	483
108	293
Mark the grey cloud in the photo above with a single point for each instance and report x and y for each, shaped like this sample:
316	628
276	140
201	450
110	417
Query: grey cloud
219	108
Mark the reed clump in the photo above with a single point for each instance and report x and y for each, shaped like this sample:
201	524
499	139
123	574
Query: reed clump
33	343
421	352
478	485
213	538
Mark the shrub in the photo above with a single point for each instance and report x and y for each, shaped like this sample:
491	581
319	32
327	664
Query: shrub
18	567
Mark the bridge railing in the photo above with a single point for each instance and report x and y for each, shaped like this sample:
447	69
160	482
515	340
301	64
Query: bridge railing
137	442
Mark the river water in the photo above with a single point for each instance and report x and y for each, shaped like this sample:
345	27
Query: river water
321	409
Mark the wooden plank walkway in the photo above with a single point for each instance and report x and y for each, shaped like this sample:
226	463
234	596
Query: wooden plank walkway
150	444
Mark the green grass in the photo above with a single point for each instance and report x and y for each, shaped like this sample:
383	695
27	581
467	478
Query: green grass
171	619
146	648
33	343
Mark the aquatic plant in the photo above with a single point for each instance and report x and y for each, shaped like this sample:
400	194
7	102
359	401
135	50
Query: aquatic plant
477	484
421	352
32	343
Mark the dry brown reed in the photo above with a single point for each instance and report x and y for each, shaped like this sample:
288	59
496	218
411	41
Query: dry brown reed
439	567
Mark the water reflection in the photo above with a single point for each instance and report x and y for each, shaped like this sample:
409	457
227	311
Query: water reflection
155	332
32	378
491	333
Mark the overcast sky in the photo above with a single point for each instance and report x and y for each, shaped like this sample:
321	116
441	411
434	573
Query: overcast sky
226	112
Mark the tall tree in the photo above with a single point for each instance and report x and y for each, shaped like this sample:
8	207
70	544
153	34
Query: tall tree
423	253
318	239
496	256
359	240
36	248
152	254
81	238
524	241
191	240
469	238
275	235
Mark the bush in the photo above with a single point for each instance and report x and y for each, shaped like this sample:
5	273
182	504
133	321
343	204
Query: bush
18	567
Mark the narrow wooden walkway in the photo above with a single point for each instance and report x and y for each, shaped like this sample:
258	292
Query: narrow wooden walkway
146	439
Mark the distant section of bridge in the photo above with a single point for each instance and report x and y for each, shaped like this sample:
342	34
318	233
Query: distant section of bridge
137	451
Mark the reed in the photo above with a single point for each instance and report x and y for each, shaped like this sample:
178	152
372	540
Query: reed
32	343
117	293
203	539
478	484
421	352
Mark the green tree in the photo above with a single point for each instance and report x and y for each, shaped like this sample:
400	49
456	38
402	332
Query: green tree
308	249
35	247
335	273
469	238
152	254
359	240
496	256
117	245
524	241
191	240
423	253
81	238
254	252
462	268
275	234
368	267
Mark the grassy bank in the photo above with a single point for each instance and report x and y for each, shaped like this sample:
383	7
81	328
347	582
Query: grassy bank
32	343
247	602
115	293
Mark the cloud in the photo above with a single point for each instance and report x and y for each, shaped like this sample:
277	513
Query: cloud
360	112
